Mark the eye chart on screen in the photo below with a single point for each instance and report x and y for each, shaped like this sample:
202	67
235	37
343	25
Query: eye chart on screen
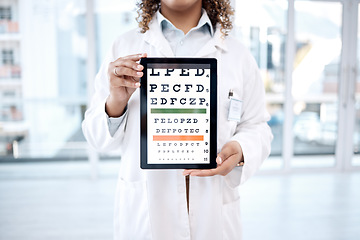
178	113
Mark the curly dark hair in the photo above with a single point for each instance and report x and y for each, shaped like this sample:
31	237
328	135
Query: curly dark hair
218	12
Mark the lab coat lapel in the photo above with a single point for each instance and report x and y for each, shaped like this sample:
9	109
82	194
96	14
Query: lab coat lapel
155	37
216	43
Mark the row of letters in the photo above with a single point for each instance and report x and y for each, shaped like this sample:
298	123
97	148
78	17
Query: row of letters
179	130
164	87
176	120
180	144
183	72
182	101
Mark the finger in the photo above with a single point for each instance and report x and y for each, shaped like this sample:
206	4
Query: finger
128	64
227	166
200	172
205	173
229	149
187	172
220	170
128	69
124	82
125	71
227	160
224	153
136	56
132	58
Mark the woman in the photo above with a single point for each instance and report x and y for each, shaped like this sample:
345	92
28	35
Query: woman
161	204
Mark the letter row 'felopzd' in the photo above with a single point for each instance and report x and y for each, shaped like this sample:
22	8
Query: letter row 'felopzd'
176	120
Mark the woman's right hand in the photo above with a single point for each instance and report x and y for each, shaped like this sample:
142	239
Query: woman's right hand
124	74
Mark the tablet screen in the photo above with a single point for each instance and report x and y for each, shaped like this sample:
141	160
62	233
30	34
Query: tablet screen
178	109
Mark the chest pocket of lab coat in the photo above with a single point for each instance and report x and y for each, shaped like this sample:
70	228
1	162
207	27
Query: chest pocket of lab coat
131	224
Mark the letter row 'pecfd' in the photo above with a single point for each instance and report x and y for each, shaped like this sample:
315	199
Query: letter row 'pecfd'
164	87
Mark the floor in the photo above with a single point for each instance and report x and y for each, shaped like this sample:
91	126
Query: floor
316	206
61	201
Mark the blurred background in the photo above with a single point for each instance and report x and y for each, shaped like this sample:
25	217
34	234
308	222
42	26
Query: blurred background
53	185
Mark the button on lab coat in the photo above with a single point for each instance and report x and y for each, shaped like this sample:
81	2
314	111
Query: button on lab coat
151	204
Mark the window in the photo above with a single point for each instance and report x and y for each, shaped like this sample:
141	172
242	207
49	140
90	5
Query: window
47	70
356	134
9	94
45	119
120	14
5	13
316	75
264	33
7	57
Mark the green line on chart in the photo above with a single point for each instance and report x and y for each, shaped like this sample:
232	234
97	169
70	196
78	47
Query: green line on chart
178	110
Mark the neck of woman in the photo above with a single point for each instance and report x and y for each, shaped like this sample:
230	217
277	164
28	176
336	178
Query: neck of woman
183	19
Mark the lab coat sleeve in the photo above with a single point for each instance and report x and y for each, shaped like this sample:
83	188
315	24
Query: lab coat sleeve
114	123
252	133
96	125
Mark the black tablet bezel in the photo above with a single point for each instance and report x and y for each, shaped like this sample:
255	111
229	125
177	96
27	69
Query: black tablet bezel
213	113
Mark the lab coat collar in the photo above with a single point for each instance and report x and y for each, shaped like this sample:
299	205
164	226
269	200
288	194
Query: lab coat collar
155	38
204	20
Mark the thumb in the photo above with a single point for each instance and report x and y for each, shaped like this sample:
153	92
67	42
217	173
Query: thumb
222	156
229	149
219	159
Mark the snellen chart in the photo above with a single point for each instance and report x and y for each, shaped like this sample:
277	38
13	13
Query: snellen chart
178	113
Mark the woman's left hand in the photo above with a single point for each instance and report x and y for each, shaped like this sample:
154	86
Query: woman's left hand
230	156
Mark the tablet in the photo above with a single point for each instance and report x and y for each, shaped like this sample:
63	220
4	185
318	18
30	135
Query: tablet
178	113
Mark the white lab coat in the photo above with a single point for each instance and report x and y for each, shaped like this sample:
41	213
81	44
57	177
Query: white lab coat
151	204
